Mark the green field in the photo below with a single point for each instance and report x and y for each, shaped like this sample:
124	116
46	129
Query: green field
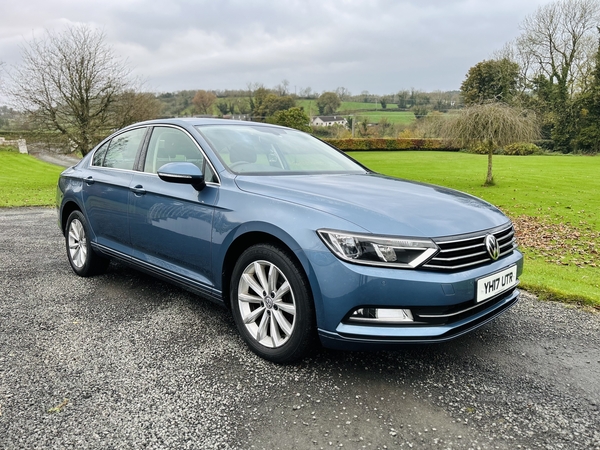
26	181
553	201
363	110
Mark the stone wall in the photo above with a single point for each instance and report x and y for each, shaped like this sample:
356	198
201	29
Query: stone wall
19	143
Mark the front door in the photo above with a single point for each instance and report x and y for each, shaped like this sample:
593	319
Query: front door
170	224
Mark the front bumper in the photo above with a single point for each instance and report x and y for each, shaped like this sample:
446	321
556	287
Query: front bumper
442	303
360	337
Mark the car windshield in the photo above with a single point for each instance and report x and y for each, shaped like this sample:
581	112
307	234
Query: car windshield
258	150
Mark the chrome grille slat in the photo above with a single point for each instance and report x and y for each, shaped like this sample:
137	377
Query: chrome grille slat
459	252
462	248
462	266
456	258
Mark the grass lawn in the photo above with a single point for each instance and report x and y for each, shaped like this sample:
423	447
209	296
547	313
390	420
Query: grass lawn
553	201
26	181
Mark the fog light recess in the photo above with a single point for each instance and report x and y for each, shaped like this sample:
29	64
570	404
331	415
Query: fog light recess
381	315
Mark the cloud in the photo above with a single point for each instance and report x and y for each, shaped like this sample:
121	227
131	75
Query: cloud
381	46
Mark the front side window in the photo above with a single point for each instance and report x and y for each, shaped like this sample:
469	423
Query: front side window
169	144
122	150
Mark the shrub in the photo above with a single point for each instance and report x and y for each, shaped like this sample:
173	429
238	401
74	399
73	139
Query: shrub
522	148
480	149
519	148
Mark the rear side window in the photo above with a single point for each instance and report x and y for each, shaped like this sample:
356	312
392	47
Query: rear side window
120	152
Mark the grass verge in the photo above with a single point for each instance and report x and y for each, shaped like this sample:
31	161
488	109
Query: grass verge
552	200
26	181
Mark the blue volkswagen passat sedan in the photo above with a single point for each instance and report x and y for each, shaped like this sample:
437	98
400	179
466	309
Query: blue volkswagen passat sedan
298	240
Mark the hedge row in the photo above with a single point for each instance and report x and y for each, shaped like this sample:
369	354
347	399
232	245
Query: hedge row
366	144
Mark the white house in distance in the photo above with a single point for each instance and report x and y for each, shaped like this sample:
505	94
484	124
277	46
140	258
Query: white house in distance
328	121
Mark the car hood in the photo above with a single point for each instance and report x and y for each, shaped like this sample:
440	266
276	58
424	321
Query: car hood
380	204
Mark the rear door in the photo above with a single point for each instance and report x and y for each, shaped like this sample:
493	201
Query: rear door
106	189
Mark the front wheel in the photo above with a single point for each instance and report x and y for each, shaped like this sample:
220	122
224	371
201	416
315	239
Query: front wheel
84	261
272	305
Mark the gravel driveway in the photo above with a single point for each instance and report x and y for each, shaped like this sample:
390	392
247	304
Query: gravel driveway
125	361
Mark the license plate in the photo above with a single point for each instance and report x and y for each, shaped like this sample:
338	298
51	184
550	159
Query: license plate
497	283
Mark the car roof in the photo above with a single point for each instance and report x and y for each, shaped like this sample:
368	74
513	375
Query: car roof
193	121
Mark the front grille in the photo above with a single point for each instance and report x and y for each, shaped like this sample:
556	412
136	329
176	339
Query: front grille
459	252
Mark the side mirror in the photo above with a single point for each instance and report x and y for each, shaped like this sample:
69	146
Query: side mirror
182	173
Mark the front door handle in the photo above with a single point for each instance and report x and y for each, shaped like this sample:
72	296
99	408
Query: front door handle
138	190
89	180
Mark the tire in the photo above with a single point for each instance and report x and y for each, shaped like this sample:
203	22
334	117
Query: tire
84	261
272	305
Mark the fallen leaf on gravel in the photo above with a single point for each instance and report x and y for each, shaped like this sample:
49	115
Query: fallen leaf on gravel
60	407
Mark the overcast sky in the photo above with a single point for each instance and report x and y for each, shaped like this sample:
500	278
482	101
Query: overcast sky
380	46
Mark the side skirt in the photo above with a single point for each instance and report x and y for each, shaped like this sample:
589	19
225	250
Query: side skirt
208	292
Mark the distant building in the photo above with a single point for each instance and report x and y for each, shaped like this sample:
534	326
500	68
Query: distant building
328	121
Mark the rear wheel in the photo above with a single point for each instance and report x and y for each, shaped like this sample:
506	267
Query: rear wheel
272	305
84	261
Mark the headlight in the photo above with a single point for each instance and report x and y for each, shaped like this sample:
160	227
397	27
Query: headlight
399	252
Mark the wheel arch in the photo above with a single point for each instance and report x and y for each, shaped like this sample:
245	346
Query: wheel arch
281	240
67	208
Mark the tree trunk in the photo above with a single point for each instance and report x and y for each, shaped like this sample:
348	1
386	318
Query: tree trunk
489	181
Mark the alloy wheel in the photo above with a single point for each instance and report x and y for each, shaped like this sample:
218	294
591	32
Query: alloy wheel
77	243
267	304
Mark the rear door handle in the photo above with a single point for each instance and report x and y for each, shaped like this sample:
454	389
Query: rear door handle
89	180
138	190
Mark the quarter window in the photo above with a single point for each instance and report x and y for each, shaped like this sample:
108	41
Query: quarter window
100	154
122	150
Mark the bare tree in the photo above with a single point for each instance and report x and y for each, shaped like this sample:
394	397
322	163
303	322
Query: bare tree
555	51
558	40
343	93
305	92
491	125
282	88
131	107
203	101
68	81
